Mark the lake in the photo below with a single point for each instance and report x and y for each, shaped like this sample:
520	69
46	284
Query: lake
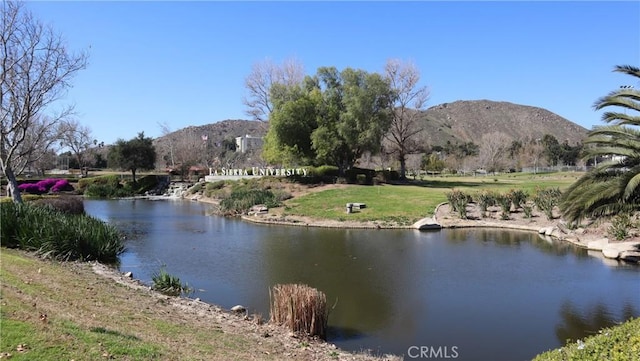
476	294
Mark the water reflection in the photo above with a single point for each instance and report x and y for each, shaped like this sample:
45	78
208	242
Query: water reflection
578	323
515	238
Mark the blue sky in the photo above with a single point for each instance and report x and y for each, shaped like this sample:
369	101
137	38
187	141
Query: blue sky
184	63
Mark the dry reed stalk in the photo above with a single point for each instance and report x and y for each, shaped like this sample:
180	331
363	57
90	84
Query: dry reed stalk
301	308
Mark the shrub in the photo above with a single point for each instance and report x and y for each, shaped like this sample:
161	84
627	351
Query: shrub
518	197
58	235
485	199
168	284
69	205
324	171
458	201
546	199
145	184
108	191
111	180
46	186
215	185
505	204
196	188
62	185
241	200
528	210
620	225
301	308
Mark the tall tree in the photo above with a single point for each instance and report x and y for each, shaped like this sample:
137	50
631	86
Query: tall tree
552	149
332	118
259	83
613	186
354	117
293	120
137	153
407	100
79	140
36	71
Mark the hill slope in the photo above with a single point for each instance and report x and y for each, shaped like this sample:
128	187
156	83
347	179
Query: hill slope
469	120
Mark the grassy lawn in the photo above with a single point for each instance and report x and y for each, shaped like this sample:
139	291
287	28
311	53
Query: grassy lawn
90	317
406	204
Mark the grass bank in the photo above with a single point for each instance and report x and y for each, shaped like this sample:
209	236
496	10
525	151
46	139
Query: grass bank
619	343
53	310
406	204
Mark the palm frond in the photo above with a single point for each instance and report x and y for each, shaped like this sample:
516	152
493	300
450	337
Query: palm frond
628	69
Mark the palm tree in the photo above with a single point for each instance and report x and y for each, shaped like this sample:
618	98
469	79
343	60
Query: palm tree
613	186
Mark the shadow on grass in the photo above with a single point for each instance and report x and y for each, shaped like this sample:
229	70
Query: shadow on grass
451	184
105	331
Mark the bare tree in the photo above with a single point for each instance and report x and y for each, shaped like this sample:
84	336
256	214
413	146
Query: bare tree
182	150
262	77
79	140
36	71
408	100
494	149
168	147
38	141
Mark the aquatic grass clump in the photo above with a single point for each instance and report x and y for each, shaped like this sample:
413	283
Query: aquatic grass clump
168	284
58	235
300	308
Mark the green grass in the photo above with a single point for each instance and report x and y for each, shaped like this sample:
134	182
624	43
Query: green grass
49	341
406	204
619	343
91	318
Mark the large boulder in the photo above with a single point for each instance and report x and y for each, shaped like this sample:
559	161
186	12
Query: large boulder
426	224
598	245
630	256
611	252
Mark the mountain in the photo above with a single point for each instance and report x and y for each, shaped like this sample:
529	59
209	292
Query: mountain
468	120
457	122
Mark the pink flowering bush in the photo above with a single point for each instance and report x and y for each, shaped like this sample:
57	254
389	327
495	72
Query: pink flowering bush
45	186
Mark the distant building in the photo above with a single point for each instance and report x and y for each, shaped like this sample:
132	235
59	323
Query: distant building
247	142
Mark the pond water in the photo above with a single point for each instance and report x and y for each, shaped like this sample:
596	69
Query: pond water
476	294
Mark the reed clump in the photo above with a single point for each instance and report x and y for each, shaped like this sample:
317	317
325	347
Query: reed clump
300	308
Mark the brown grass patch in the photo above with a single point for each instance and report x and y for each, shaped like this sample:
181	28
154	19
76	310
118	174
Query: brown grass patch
301	308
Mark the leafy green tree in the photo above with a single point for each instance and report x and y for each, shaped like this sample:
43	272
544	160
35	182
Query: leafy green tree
331	118
354	117
552	149
291	124
569	154
134	154
432	163
613	186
